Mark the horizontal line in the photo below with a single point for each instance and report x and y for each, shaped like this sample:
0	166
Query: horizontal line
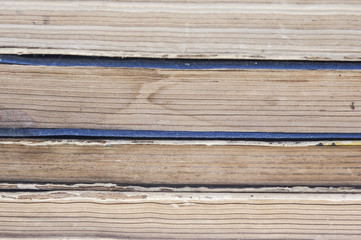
115	234
166	212
63	61
154	134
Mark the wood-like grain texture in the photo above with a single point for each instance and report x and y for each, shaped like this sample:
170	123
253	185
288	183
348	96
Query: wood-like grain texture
186	100
166	163
111	215
242	29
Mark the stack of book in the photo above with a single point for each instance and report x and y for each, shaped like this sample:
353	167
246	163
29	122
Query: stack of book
202	119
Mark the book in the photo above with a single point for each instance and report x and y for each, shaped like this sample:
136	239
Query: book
243	29
156	215
181	163
293	101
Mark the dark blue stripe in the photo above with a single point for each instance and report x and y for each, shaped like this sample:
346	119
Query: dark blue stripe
91	133
50	60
